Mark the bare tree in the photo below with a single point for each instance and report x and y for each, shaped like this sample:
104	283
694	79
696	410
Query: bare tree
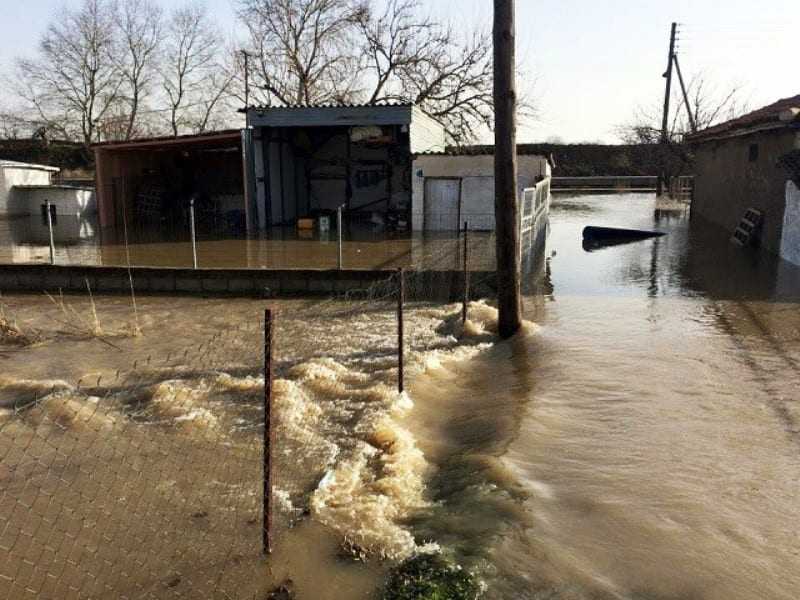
415	59
708	103
304	49
10	127
140	25
73	82
328	51
193	79
709	107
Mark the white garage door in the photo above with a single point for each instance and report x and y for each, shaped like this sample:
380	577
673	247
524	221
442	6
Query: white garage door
442	199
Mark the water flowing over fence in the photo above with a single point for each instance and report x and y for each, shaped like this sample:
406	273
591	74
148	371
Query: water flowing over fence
142	472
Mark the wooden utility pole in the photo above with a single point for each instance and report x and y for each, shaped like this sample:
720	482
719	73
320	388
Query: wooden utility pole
667	96
692	120
506	206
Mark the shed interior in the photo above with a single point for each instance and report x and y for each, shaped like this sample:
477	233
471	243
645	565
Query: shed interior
152	182
310	172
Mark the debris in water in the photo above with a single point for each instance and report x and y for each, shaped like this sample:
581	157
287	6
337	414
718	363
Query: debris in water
431	577
284	591
11	334
595	238
352	551
173	580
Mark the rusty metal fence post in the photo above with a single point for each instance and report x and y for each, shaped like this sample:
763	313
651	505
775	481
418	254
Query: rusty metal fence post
48	207
466	274
401	292
269	435
339	241
193	233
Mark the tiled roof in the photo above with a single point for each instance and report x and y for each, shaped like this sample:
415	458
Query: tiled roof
763	116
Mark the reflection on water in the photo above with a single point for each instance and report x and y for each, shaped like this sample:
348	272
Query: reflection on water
79	242
26	239
658	452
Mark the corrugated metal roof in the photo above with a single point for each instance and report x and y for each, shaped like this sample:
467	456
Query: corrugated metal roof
58	186
13	164
332	115
484	150
330	105
768	115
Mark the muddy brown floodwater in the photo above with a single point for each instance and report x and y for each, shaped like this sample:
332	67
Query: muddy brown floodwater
639	440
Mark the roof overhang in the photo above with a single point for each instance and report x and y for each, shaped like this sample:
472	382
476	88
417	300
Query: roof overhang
330	116
699	138
213	138
13	164
83	188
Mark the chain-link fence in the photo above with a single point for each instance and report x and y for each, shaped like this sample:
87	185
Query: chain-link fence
132	449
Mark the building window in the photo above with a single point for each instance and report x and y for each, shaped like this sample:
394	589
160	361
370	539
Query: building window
753	152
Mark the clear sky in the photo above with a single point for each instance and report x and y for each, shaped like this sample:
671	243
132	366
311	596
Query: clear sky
590	62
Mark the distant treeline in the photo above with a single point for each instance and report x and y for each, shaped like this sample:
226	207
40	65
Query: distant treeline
583	160
64	155
571	160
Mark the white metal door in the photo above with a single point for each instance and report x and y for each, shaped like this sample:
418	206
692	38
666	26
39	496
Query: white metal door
442	200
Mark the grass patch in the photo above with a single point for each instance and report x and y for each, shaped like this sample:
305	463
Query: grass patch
10	332
431	577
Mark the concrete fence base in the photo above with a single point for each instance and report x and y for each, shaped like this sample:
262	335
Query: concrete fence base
428	285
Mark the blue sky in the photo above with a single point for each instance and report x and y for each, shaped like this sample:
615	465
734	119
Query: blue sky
591	62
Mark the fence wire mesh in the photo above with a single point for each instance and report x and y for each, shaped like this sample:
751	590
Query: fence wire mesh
131	445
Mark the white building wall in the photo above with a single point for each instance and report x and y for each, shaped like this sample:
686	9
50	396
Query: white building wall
426	134
12	176
790	240
477	184
69	201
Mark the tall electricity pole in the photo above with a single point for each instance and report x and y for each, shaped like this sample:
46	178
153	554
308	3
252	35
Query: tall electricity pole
667	95
506	206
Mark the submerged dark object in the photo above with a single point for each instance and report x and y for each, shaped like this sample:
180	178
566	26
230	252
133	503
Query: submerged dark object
595	238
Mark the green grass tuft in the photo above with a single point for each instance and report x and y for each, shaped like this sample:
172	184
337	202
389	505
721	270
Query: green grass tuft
430	577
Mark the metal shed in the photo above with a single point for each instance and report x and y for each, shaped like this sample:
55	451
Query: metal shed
306	161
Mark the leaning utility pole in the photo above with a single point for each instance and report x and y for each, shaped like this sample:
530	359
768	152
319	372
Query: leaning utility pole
667	94
692	119
506	208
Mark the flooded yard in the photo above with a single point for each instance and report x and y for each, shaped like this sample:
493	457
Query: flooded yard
638	440
25	240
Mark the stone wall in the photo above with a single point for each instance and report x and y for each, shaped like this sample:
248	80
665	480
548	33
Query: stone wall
730	178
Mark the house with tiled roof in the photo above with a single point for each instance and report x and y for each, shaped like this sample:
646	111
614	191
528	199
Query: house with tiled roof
753	163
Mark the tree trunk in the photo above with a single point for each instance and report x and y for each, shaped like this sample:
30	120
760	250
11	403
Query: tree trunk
506	205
